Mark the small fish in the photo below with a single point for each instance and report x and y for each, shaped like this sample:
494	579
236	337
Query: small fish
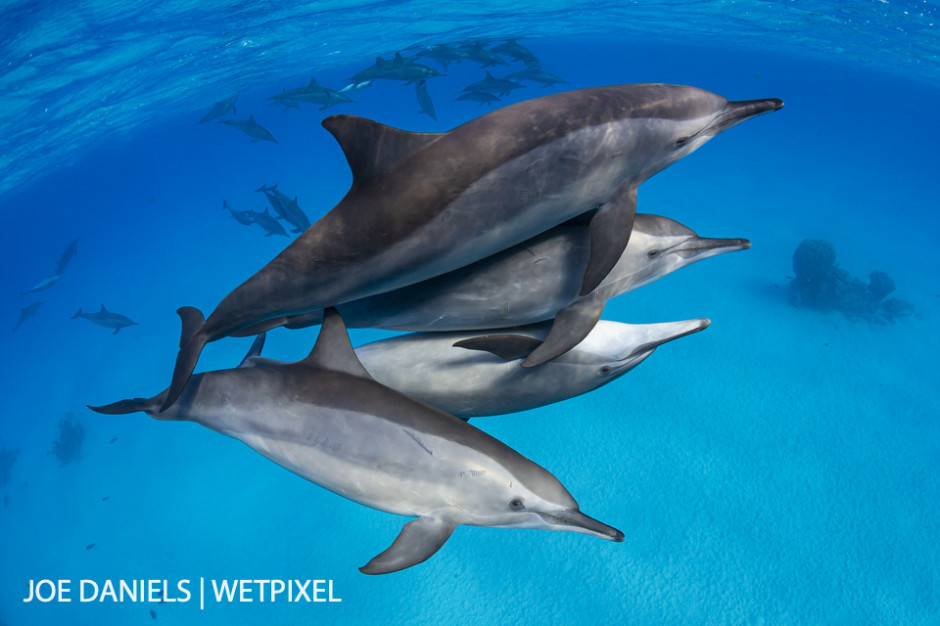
424	100
6	501
107	319
250	127
219	109
113	440
153	614
26	313
105	499
90	546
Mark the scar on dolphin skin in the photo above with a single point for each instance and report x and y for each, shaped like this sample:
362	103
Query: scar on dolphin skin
417	441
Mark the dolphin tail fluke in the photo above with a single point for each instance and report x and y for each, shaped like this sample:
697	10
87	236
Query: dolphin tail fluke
191	345
610	232
122	407
416	543
572	324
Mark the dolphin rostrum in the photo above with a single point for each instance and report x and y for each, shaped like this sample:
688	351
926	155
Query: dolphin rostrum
325	419
424	204
535	281
472	374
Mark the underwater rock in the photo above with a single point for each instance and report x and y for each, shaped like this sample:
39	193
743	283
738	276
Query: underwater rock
7	459
68	447
819	283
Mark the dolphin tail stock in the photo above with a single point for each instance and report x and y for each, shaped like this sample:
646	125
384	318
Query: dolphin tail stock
572	324
610	230
416	543
192	342
77	315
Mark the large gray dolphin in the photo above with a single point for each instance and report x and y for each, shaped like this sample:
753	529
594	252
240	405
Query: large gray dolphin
424	204
472	374
532	282
325	419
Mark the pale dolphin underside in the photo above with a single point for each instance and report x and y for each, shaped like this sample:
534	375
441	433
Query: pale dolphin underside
425	204
325	419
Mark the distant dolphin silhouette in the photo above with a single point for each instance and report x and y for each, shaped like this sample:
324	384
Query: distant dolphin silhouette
425	204
26	313
107	319
326	419
250	127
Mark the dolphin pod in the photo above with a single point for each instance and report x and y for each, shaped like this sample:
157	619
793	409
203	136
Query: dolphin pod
423	204
326	419
532	282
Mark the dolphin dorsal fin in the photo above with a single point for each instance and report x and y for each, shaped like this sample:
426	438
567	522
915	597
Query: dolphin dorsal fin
372	148
333	351
103	310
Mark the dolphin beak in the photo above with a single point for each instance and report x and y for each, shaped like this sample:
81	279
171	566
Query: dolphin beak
740	110
668	331
576	521
702	247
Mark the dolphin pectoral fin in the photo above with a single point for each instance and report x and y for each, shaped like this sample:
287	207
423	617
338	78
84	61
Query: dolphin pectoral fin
610	231
416	543
572	324
506	347
191	345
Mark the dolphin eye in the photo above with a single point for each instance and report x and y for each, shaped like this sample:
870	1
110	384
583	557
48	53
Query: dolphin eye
681	140
605	369
653	253
516	504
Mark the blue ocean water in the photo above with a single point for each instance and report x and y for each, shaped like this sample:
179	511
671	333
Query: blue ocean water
778	468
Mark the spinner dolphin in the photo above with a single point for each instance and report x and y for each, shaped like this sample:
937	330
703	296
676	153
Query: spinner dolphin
472	374
325	419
